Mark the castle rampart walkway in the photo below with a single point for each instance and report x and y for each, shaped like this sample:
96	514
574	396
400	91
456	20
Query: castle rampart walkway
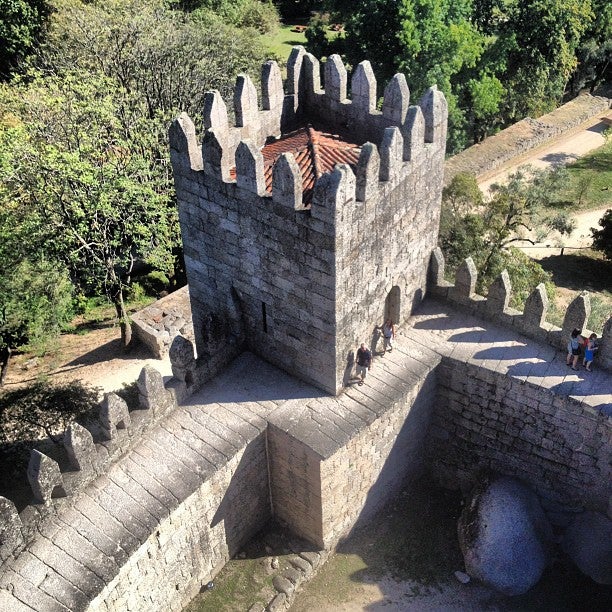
255	441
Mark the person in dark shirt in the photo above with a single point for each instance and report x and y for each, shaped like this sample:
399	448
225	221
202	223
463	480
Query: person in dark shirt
364	362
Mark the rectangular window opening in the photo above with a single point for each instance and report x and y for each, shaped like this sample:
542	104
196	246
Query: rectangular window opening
264	318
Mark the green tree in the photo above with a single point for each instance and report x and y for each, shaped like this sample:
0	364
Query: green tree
261	16
519	206
594	51
167	57
539	40
602	238
35	304
84	173
485	229
487	95
462	228
316	35
429	40
33	413
35	294
22	22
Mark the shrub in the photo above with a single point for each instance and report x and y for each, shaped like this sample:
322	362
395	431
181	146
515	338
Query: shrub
39	411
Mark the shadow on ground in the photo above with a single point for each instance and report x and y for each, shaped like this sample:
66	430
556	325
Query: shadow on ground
409	553
579	272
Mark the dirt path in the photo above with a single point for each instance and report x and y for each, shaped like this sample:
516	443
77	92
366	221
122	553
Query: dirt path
95	358
559	152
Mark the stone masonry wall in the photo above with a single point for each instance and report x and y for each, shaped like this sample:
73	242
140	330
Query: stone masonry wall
372	468
336	461
302	285
523	136
158	324
191	545
483	421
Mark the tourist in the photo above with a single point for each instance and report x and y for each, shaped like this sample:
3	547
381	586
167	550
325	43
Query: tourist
573	348
388	330
364	362
589	351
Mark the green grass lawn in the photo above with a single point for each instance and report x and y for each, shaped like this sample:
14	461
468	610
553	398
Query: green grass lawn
590	181
280	43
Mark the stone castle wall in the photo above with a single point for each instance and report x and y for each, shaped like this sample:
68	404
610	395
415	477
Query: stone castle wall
337	462
302	285
484	421
526	135
189	547
531	322
321	464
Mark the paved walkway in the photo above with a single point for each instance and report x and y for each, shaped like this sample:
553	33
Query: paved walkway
96	532
458	335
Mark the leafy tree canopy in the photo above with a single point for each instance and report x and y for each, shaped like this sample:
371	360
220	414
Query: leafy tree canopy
169	58
496	61
81	170
602	238
22	23
485	229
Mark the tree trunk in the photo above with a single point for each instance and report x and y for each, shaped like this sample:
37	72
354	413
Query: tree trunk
5	356
124	322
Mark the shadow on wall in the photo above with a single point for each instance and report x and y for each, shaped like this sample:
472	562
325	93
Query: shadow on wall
245	507
404	462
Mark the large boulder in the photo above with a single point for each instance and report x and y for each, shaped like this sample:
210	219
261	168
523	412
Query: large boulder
588	542
504	536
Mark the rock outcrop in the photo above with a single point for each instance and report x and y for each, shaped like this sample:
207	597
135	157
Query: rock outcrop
588	542
504	536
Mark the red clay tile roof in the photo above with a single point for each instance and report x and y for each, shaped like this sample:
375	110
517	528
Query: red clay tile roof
316	152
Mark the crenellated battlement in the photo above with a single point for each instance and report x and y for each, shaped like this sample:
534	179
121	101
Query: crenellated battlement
299	220
531	322
86	454
233	153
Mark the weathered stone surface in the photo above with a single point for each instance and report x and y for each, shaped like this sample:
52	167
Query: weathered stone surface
157	324
588	541
283	585
11	536
363	87
436	267
536	307
250	168
504	536
45	477
114	414
576	316
182	358
499	294
80	447
151	391
335	78
465	280
367	171
287	182
391	151
396	99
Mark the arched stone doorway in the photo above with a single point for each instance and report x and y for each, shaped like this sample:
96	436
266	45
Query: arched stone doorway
392	304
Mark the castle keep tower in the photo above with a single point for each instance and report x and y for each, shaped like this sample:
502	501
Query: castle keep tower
309	221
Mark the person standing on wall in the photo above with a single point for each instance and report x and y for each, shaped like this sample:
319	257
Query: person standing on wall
388	330
590	346
364	362
573	348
